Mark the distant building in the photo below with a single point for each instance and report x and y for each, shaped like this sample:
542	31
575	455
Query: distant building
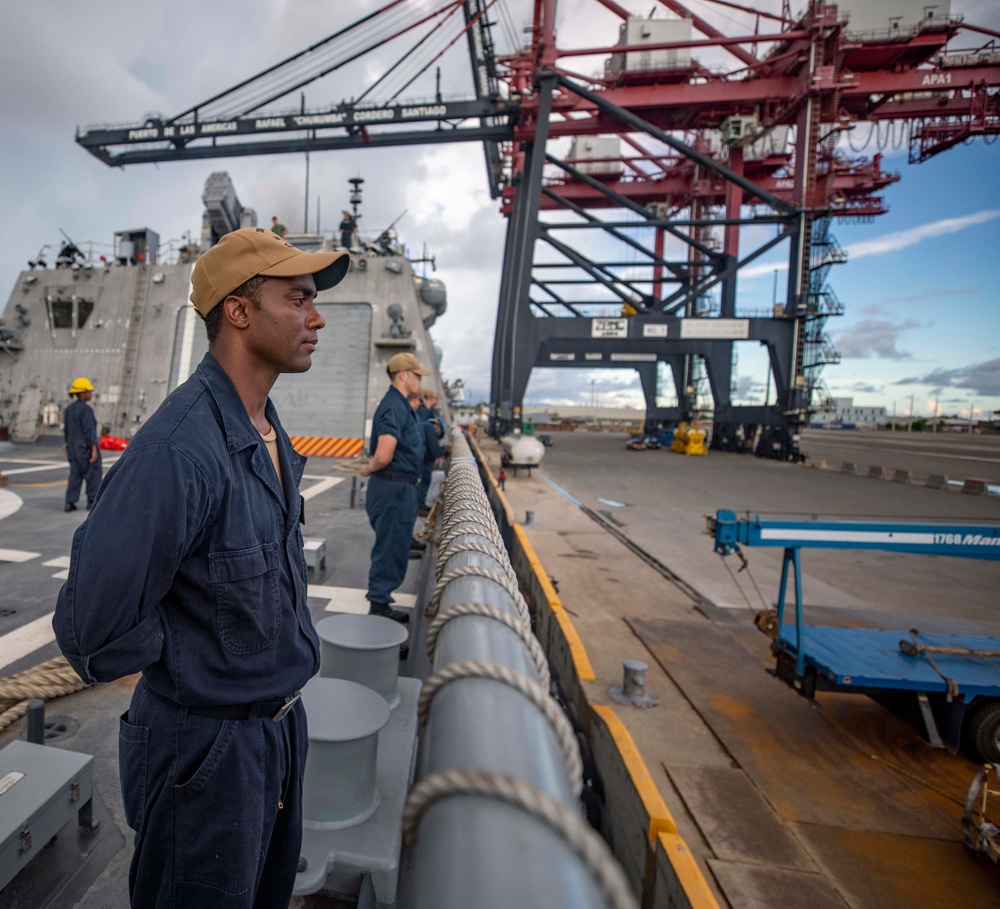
846	415
573	416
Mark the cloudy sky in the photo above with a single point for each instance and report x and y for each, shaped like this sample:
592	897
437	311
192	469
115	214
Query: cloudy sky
921	286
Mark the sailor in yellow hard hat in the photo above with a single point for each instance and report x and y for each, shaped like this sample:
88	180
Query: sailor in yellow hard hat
82	452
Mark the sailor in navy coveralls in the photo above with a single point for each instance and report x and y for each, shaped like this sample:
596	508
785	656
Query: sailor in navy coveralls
190	570
82	451
397	454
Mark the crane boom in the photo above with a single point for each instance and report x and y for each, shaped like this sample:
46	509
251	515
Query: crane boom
972	541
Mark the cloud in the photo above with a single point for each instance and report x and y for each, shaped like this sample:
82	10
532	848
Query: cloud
874	336
888	243
964	291
901	239
980	378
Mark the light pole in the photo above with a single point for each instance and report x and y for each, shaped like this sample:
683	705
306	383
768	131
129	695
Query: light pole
909	423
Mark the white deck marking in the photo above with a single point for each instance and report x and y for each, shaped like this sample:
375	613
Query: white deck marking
61	465
16	555
61	575
352	599
9	503
26	639
323	484
61	562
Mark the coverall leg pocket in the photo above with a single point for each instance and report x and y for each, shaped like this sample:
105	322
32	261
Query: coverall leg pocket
219	805
133	757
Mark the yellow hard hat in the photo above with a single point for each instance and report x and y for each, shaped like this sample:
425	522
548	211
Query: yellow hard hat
80	385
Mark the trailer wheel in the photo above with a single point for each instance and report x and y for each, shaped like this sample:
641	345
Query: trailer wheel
982	731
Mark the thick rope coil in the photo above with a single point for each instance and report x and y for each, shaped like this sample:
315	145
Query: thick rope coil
476	571
505	618
480	669
451	549
568	824
467	512
477	515
456	528
467	479
468	494
48	680
468	515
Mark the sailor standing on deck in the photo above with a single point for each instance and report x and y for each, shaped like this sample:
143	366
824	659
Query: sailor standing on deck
397	452
347	228
190	570
82	451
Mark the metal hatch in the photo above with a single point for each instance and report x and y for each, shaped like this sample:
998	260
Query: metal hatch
29	415
331	398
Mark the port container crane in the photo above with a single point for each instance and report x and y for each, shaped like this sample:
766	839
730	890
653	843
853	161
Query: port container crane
672	159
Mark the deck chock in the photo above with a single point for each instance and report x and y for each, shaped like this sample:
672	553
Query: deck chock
876	472
938	481
974	487
351	829
848	467
903	476
315	552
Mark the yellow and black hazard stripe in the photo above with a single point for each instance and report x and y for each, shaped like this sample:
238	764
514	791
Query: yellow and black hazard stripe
327	447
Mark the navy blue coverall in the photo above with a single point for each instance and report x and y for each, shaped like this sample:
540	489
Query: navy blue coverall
190	570
391	500
80	433
432	451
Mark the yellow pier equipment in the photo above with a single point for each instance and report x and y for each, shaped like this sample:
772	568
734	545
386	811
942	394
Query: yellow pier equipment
689	439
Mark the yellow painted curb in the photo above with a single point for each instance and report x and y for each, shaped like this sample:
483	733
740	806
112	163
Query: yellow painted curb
584	670
660	818
688	873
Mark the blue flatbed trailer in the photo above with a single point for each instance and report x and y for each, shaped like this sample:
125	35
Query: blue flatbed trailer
948	684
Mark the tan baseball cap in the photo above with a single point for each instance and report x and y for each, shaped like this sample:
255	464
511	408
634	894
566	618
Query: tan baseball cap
408	363
251	251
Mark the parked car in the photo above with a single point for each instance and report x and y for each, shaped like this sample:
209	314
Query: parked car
651	441
545	439
636	443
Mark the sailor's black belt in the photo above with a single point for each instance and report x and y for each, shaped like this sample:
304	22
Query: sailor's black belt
396	476
275	708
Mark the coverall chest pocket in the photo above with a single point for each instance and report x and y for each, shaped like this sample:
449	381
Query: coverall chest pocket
246	592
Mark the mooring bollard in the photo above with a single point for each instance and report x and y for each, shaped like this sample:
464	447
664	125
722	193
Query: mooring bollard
633	688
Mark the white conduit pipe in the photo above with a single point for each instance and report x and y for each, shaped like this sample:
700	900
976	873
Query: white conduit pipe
495	819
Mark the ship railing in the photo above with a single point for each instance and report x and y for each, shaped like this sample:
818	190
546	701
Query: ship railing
500	773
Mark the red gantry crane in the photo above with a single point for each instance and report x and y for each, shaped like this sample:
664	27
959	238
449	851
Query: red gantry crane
627	250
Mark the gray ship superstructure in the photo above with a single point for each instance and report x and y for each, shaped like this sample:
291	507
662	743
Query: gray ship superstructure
126	323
